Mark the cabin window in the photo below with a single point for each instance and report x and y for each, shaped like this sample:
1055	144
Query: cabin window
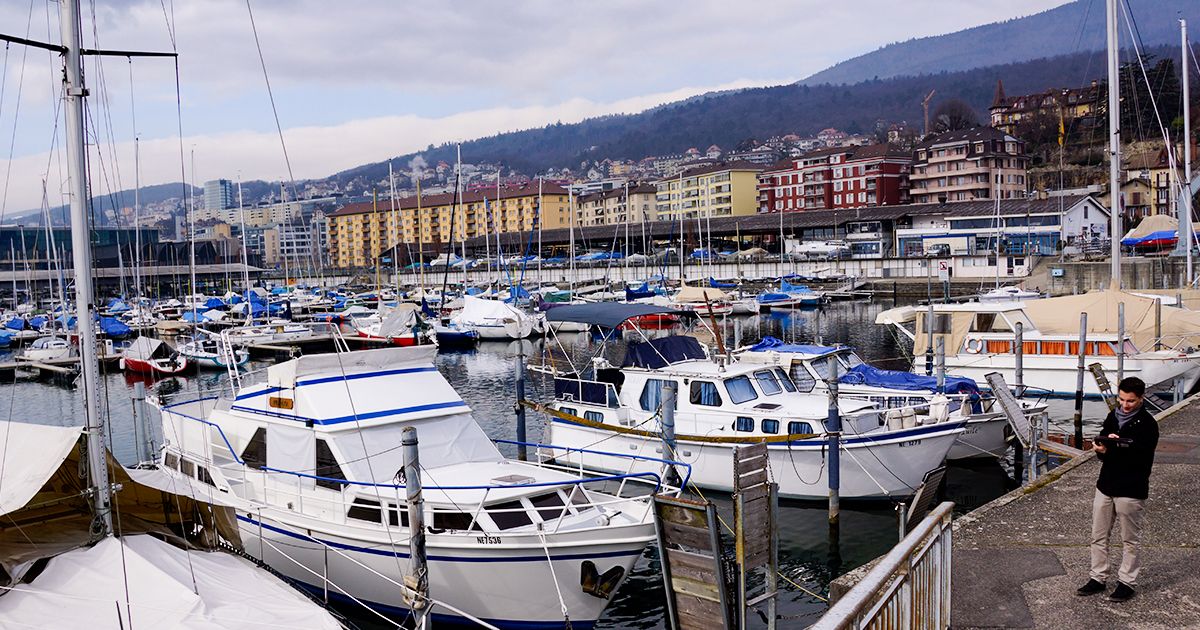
365	510
767	383
785	380
549	506
983	322
172	461
453	520
799	428
740	390
743	424
849	360
397	516
327	467
203	475
803	380
570	411
509	515
188	468
770	426
821	367
594	416
705	393
255	453
652	394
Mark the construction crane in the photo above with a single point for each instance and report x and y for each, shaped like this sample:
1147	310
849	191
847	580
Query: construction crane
925	105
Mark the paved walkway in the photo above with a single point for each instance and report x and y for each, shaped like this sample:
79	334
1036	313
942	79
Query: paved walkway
1018	560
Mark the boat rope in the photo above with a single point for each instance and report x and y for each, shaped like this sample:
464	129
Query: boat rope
554	576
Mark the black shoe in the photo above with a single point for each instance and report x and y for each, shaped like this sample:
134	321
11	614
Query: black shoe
1091	588
1122	593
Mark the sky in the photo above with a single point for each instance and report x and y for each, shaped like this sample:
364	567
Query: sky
360	81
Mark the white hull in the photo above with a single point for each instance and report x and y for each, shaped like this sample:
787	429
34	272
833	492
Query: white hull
501	330
982	438
1058	374
800	469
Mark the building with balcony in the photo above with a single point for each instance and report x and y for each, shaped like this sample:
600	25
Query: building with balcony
1077	107
967	165
612	207
718	190
360	232
838	177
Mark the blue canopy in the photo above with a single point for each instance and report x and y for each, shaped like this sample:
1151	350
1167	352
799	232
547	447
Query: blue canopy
772	343
193	317
5	339
37	321
214	302
555	260
867	375
235	299
16	323
278	290
702	253
714	283
606	314
643	291
117	305
788	287
114	328
768	297
661	352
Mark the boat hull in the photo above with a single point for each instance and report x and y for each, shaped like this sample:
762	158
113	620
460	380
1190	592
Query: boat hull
1058	375
155	367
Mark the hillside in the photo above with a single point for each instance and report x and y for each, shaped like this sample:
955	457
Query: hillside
1071	28
728	118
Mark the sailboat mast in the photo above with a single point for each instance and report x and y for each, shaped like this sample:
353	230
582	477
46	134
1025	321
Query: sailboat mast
137	222
1185	210
395	231
462	232
541	278
420	232
571	253
1114	146
245	260
192	234
81	254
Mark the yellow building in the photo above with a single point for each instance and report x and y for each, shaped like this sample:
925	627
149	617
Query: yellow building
359	232
719	190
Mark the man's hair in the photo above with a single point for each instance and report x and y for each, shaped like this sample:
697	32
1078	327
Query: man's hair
1132	385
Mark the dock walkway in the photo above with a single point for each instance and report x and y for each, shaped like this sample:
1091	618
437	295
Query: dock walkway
1018	560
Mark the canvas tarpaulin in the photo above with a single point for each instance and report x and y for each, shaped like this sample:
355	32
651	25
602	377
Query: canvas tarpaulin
1060	316
689	293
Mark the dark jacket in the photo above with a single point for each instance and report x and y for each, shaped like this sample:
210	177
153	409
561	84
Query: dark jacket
1125	469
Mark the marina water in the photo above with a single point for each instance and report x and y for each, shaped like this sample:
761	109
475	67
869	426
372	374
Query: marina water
486	379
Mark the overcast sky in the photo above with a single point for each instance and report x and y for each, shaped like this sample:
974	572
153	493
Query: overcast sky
360	81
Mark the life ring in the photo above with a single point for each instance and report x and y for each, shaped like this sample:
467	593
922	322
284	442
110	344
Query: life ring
974	345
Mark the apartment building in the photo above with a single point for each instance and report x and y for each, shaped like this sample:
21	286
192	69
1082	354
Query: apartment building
717	190
612	206
1077	107
837	177
969	164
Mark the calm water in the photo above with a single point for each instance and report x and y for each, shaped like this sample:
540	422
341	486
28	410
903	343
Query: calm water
486	380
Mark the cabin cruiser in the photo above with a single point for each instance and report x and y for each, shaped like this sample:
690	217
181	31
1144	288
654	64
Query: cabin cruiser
274	331
50	348
979	338
720	406
207	350
401	326
809	366
1008	294
311	459
492	319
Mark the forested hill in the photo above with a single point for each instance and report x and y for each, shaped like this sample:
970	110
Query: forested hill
729	118
1074	27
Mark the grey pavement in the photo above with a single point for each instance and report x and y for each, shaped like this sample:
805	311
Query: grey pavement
1018	560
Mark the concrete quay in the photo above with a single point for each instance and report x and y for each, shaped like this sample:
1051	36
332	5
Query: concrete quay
1018	560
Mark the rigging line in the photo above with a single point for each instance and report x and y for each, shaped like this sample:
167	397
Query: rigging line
12	143
266	78
170	22
106	111
1132	27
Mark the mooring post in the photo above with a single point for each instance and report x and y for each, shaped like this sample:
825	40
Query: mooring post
902	513
522	452
418	577
1018	391
929	335
1120	342
141	431
941	364
669	394
1079	370
1158	324
833	427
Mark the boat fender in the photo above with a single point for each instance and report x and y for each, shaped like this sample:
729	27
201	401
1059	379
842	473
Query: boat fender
909	417
939	409
895	420
974	345
121	364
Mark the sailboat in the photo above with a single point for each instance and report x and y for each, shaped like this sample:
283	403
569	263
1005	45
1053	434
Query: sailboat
77	554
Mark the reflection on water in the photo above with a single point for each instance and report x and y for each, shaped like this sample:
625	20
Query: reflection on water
486	379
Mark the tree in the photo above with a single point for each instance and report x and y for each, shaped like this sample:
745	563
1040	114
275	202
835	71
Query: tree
953	114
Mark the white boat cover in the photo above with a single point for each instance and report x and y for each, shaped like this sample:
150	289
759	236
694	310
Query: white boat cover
399	320
476	310
1060	315
140	581
143	348
31	454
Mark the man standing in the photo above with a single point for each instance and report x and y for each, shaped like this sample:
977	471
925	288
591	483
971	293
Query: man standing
1125	447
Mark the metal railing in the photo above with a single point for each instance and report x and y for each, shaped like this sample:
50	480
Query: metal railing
908	588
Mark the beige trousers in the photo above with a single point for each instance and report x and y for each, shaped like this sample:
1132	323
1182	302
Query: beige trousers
1128	512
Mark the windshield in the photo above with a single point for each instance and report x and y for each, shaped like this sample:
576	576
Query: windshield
766	382
740	390
785	380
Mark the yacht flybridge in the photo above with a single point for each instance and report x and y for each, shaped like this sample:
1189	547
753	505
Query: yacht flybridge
720	406
980	338
312	459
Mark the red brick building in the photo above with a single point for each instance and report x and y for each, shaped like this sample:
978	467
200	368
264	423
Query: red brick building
837	177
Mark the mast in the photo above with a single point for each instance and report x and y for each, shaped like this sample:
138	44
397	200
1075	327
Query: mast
137	222
571	253
628	217
378	238
245	259
192	235
1185	210
540	206
396	231
1114	147
458	193
682	273
420	233
81	253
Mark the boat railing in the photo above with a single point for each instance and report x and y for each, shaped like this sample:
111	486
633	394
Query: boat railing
585	391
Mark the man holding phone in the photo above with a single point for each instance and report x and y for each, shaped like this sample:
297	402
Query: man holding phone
1125	447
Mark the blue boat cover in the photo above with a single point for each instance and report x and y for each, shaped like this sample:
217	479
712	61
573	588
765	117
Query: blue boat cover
278	290
643	291
16	323
776	344
714	283
767	298
114	328
661	352
214	302
867	375
37	321
235	299
5	339
788	287
425	310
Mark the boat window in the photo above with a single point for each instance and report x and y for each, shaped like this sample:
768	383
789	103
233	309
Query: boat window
802	378
740	390
328	468
187	468
172	461
821	367
255	453
203	475
578	496
365	510
705	393
983	322
743	424
785	380
770	426
594	416
767	383
851	359
570	411
509	515
454	520
652	394
799	428
397	516
549	506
